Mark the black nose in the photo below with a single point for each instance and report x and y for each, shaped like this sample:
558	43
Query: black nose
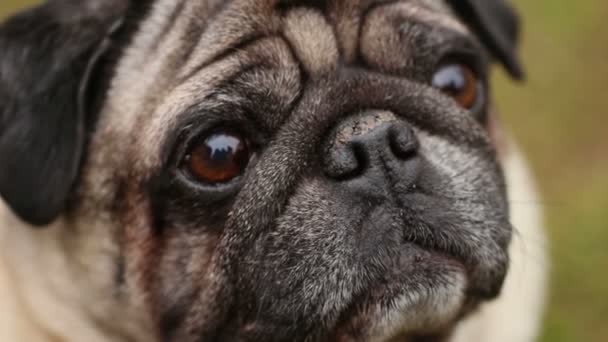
373	151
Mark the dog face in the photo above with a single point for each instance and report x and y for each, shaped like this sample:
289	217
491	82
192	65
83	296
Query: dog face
267	170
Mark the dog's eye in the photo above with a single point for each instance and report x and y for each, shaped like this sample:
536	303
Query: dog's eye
460	82
218	157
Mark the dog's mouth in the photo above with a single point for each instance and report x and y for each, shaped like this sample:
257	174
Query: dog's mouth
406	309
427	288
404	283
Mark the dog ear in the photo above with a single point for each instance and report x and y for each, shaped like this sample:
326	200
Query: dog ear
46	53
497	24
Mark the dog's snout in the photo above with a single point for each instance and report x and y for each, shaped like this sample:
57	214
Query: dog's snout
375	150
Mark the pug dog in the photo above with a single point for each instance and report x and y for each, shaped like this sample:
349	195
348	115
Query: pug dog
263	170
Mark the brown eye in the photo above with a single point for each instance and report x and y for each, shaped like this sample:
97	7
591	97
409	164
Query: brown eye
218	158
459	82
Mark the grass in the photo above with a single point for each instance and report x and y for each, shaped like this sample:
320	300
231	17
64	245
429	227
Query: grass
559	117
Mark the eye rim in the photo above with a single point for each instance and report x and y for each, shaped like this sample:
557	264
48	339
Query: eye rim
197	121
472	63
186	174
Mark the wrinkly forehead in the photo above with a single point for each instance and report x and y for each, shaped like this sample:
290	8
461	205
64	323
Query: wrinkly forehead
205	29
184	49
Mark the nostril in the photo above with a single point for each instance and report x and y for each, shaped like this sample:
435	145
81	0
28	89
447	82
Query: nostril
369	145
403	141
345	162
361	157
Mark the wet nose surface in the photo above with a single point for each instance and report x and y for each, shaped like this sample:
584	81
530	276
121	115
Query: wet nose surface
373	152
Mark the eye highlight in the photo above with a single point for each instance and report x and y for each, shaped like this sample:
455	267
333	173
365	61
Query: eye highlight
218	157
460	82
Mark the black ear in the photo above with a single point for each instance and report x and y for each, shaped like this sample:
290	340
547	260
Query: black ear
45	55
497	25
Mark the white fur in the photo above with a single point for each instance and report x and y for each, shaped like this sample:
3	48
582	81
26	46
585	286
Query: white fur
420	310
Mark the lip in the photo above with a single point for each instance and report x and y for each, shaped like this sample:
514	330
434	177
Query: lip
432	283
401	311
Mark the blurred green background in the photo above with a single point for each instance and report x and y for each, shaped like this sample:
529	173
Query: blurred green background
560	117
